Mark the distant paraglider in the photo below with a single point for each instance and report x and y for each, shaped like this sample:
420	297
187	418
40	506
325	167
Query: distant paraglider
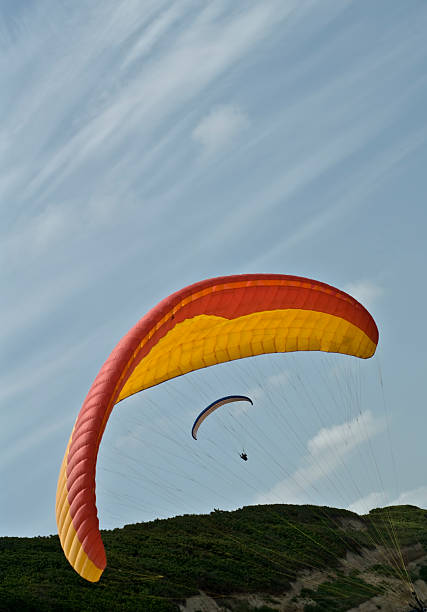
214	321
228	399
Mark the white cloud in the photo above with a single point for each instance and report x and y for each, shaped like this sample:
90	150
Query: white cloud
128	108
106	208
276	380
256	393
298	175
414	497
217	130
379	499
376	499
51	225
327	451
343	438
154	32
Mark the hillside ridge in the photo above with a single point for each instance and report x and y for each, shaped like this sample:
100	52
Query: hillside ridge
266	558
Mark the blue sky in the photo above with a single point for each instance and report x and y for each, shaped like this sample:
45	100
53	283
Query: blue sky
148	145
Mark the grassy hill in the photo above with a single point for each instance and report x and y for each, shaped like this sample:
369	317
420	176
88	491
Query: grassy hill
272	557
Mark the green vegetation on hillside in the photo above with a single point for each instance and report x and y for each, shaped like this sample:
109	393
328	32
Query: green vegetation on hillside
259	549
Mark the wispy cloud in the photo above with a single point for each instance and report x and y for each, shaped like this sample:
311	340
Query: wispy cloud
217	130
379	499
332	214
376	499
415	497
327	452
306	117
155	31
122	120
341	439
280	379
12	451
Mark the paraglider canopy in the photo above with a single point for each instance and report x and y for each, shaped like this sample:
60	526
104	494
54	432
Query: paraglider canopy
211	322
228	399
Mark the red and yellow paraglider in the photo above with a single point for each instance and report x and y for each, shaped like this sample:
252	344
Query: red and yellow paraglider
210	322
